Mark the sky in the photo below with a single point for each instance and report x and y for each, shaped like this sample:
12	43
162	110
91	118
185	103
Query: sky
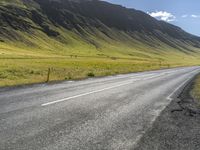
183	13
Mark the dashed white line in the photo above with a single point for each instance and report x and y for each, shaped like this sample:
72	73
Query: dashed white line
88	93
92	92
153	77
140	76
111	87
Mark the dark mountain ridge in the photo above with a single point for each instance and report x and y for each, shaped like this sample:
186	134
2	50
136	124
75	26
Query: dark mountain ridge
113	16
77	15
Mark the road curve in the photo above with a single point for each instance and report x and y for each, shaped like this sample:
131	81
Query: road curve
100	113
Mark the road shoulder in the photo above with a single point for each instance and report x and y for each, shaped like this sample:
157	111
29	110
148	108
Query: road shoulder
178	126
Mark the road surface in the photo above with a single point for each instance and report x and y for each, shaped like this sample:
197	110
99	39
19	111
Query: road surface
100	113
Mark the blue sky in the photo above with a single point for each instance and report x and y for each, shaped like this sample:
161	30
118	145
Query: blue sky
183	13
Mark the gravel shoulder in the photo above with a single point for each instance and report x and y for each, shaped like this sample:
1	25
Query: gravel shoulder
178	126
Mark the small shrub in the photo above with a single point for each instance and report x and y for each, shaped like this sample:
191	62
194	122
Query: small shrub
68	78
31	72
108	73
113	58
90	74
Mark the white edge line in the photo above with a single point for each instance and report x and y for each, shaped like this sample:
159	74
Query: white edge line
170	96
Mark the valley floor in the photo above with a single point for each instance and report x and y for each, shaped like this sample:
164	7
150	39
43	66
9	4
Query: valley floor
26	65
26	70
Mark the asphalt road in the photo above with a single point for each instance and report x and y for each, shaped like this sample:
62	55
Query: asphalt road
101	113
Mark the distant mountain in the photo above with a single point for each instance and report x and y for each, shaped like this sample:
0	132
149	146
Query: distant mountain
91	24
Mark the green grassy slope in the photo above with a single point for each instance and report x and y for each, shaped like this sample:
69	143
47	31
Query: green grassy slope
28	48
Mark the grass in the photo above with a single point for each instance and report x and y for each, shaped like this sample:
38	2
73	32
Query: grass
196	89
15	71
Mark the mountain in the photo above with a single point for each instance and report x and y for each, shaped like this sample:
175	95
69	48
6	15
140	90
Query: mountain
92	24
103	38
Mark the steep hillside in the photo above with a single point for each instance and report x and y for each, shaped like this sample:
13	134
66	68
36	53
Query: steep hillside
94	24
87	30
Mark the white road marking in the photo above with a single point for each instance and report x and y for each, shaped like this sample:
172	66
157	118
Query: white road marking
156	76
140	76
111	87
92	92
153	75
88	93
170	96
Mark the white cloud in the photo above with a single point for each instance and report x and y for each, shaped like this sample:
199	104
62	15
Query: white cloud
184	16
163	15
195	16
191	16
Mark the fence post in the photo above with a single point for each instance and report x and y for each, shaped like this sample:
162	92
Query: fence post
48	74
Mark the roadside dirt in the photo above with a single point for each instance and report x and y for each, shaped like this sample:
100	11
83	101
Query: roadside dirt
178	126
